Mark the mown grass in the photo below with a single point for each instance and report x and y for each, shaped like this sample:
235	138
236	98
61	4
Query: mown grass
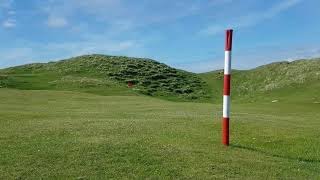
57	134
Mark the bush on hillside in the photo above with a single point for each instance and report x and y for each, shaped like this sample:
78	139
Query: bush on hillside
4	81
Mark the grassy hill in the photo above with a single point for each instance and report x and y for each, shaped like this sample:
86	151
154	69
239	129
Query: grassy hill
106	75
297	81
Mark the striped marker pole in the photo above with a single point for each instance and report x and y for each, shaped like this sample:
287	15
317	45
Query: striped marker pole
226	88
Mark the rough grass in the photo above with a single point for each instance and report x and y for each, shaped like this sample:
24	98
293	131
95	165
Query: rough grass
70	135
297	81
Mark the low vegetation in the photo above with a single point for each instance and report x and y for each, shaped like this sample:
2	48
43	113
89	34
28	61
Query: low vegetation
296	81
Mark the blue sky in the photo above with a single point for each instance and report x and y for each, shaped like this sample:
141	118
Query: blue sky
187	34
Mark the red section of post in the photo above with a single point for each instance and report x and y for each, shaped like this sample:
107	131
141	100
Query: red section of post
228	40
227	88
226	85
225	132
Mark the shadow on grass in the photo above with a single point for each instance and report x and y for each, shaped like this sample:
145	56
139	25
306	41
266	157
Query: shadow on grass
275	155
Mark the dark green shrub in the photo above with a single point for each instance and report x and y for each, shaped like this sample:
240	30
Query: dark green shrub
4	81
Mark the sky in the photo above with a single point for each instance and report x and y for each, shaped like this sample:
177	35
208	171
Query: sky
185	34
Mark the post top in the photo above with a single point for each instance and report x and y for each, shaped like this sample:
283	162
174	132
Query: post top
228	46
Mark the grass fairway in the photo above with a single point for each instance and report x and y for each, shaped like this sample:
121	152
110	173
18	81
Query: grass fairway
56	134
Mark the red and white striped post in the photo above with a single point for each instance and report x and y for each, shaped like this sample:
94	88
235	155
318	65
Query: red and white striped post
226	88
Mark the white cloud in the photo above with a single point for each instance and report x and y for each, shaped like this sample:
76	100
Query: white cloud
283	6
127	14
98	5
9	23
219	2
11	12
91	47
251	58
251	19
56	21
38	52
7	12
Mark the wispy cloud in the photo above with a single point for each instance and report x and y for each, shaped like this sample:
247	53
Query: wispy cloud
250	19
9	23
38	52
56	21
7	9
127	14
252	58
88	47
11	12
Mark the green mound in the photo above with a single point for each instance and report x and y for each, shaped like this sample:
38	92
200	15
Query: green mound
297	81
107	75
286	81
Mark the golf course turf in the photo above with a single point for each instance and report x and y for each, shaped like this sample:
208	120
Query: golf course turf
74	135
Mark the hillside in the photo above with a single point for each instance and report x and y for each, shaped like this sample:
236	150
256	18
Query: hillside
281	81
296	81
106	75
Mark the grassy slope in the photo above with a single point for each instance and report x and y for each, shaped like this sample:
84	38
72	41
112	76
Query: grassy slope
56	134
298	81
106	75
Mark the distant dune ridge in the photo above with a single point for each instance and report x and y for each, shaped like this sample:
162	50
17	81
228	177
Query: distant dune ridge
109	75
288	81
